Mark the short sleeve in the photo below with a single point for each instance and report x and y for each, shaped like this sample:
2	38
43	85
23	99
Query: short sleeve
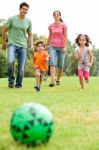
65	26
30	27
8	23
49	28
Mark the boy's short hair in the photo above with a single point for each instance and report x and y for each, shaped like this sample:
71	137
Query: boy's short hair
40	42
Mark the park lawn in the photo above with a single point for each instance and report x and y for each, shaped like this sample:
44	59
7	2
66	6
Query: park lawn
75	112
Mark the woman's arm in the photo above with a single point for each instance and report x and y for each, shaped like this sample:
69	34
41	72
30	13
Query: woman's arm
49	40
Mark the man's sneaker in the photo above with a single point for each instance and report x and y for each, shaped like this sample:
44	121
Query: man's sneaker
18	86
11	85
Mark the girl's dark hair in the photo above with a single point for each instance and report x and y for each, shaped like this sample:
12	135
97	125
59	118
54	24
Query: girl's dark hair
61	20
88	41
24	4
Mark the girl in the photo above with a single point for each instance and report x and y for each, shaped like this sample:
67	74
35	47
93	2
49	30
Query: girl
85	58
56	44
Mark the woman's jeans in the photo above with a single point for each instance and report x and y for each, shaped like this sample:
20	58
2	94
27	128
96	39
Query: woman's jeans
20	53
56	57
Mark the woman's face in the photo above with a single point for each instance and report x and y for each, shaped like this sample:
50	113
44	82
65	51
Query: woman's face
56	15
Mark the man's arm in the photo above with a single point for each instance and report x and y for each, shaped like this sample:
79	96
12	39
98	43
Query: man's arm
30	37
5	29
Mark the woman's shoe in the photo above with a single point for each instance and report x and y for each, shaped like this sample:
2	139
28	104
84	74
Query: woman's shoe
57	82
51	85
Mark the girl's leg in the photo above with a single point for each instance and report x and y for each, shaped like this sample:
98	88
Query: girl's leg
86	76
80	74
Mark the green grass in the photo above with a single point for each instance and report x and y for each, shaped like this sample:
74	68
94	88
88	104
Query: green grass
75	111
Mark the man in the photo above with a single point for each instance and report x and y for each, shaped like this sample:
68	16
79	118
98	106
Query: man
18	27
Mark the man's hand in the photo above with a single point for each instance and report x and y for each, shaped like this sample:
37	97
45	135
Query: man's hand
3	45
32	48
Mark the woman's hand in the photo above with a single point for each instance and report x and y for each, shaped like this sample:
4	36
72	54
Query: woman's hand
64	50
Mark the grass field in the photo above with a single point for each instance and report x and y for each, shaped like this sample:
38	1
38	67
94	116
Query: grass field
75	111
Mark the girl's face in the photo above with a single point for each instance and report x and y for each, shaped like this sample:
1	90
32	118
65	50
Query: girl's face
40	47
56	16
82	40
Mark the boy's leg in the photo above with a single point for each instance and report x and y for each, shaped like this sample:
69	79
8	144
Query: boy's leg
37	72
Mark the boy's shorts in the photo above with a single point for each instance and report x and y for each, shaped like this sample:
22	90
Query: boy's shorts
38	72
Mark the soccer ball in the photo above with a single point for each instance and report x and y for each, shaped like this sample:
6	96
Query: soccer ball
32	124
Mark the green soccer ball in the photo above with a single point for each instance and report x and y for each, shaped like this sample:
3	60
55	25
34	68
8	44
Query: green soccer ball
32	124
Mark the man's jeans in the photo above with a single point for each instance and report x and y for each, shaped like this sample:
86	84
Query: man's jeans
20	53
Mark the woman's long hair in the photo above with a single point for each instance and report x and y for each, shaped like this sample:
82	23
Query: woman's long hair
61	20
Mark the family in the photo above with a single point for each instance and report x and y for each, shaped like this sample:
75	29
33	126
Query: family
52	54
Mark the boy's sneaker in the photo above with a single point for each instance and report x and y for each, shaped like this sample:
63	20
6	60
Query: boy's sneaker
37	88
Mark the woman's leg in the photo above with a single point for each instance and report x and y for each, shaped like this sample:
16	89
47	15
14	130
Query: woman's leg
60	65
52	63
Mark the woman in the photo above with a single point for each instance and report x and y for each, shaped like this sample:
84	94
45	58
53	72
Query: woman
56	44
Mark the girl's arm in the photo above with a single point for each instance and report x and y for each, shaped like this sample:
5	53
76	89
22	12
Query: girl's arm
91	58
77	56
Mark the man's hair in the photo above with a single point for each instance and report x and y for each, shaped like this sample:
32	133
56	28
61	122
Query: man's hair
24	4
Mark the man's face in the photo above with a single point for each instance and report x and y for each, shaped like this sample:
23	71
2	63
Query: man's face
23	10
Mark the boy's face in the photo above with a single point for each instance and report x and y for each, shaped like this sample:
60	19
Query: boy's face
40	47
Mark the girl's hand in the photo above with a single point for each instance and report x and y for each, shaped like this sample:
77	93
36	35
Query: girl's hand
90	64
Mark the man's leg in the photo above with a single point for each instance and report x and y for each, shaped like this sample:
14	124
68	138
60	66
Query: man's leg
11	59
21	55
